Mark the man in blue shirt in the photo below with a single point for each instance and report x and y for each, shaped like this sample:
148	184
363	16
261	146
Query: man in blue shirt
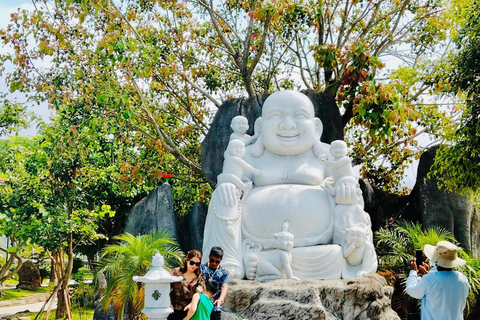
212	270
443	292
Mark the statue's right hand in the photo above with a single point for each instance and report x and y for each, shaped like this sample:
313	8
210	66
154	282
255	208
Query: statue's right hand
227	194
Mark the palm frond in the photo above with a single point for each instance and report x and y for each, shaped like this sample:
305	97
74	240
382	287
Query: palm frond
132	256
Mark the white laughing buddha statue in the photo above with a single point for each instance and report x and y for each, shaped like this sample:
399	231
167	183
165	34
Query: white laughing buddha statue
291	188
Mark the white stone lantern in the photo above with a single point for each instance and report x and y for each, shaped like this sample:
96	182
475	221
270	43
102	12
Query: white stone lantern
157	289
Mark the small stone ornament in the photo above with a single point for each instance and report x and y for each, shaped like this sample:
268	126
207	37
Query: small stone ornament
156	294
157	287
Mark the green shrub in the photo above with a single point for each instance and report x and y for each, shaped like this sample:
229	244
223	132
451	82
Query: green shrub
77	276
77	264
45	271
83	296
84	270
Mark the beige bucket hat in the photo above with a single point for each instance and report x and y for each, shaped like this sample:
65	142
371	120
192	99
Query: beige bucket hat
444	254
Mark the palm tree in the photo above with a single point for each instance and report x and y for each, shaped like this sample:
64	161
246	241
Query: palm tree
396	245
132	256
472	271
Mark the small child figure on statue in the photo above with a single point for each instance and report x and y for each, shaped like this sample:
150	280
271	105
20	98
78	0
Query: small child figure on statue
357	249
234	164
239	126
342	171
202	306
267	265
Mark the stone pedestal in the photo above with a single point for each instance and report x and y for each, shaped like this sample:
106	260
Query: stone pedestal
361	298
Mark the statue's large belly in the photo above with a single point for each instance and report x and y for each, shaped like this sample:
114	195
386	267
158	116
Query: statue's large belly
308	210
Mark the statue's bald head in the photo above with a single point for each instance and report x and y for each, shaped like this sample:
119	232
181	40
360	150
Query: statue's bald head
288	99
289	126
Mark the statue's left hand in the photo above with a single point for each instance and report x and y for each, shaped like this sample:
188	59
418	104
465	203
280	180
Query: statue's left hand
346	193
227	193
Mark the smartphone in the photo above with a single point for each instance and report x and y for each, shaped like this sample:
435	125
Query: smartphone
419	257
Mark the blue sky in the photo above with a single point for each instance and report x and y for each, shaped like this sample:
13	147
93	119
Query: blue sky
6	8
13	3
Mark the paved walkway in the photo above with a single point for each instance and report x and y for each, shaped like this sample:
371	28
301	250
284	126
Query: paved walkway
33	307
29	303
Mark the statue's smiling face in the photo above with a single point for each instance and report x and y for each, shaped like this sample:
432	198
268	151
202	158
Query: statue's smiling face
288	123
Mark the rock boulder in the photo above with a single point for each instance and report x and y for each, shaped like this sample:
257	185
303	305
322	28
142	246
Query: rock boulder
362	298
29	277
189	228
153	213
433	207
196	224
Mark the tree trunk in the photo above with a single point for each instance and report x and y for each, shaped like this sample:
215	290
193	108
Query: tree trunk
91	262
5	273
63	304
53	273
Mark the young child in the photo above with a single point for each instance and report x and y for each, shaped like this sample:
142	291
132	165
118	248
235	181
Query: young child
202	306
358	250
267	265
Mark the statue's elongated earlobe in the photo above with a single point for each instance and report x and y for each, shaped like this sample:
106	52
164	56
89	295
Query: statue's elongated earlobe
318	148
257	126
257	148
318	128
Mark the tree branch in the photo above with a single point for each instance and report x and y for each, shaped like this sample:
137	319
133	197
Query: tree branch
165	139
254	63
225	41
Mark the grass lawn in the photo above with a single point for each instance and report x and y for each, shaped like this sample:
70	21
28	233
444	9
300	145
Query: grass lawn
9	294
11	281
88	276
84	314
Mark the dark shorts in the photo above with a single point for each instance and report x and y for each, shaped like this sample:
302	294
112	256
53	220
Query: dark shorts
216	315
177	315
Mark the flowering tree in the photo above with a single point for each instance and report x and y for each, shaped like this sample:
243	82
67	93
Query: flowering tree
59	189
158	68
456	164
